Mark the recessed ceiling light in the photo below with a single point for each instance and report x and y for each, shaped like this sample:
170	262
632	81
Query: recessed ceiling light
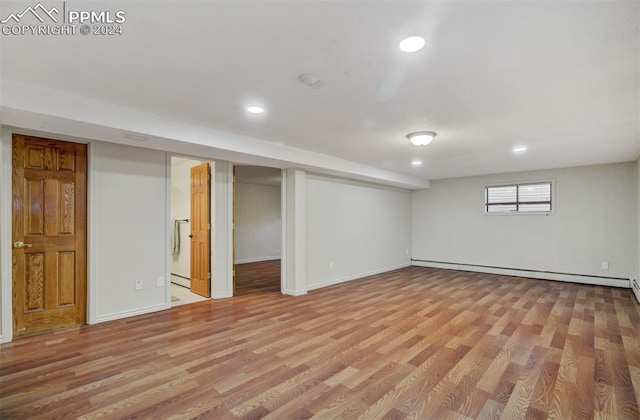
412	44
416	163
421	138
519	149
255	109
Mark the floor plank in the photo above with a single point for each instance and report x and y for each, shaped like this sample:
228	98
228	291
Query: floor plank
411	343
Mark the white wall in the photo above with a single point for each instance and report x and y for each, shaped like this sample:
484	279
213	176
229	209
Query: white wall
595	220
361	228
637	276
258	223
180	208
128	230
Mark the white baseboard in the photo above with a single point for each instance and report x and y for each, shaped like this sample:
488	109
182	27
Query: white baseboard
134	312
635	287
221	295
257	259
294	292
355	277
571	278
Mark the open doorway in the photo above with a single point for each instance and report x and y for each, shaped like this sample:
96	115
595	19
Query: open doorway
258	230
186	227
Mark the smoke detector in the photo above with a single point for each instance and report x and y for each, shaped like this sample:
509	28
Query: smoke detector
311	80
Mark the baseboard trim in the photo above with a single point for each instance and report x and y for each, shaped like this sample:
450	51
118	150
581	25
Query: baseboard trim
223	295
355	277
257	259
535	274
294	292
133	312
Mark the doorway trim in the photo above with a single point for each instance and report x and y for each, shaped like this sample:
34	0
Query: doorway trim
6	327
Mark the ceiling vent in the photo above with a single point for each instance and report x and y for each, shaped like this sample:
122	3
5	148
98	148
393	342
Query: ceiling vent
311	80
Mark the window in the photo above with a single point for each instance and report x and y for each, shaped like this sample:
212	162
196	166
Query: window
522	198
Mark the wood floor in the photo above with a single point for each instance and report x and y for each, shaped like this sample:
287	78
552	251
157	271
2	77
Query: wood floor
257	278
413	343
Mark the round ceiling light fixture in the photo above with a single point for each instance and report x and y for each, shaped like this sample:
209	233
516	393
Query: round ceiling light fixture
412	44
254	109
421	138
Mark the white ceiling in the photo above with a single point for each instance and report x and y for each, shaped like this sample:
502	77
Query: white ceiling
561	78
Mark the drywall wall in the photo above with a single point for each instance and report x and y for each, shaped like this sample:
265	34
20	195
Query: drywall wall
180	208
354	229
258	223
595	220
636	290
128	231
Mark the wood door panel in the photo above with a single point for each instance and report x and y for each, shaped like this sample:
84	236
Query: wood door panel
34	201
34	157
67	200
66	161
34	282
66	278
49	213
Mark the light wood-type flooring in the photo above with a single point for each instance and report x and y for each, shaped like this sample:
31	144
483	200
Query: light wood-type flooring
415	343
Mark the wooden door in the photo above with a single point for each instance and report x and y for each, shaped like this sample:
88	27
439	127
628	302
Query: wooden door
200	230
49	234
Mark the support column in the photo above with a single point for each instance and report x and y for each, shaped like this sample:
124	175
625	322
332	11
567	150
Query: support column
222	240
294	261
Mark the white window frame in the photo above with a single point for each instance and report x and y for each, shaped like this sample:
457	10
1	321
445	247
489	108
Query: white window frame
521	213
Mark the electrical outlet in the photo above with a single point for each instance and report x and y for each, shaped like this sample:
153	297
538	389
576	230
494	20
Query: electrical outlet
604	265
160	281
331	265
139	284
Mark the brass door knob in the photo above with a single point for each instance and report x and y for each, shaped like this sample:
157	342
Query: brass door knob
21	244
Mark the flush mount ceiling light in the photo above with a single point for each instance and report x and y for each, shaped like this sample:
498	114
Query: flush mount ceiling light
412	44
519	149
254	109
421	138
416	162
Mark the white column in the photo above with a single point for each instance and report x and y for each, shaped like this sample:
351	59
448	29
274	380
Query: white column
294	261
222	238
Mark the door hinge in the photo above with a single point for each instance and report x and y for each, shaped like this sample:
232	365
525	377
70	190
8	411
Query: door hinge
209	275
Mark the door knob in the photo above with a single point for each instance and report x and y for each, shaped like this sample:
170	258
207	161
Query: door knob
21	244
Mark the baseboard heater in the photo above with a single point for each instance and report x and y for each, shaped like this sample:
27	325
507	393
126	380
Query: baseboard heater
536	274
180	280
636	289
